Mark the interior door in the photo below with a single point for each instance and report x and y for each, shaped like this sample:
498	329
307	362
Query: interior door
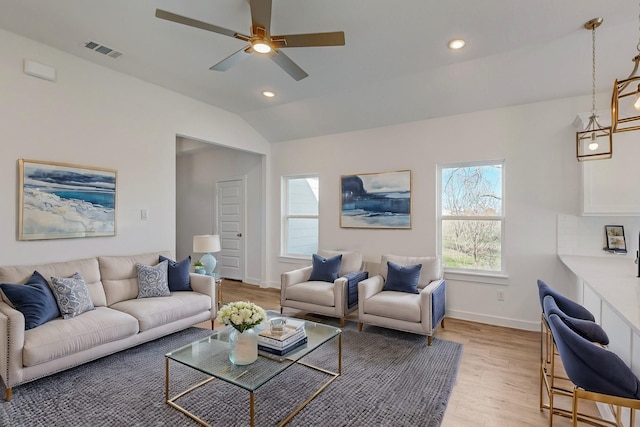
231	205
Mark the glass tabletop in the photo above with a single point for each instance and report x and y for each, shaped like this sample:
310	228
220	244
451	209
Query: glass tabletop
211	355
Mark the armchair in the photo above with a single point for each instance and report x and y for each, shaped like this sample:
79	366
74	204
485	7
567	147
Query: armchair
336	299
418	313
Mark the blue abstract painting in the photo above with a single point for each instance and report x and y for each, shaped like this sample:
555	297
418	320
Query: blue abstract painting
60	201
376	200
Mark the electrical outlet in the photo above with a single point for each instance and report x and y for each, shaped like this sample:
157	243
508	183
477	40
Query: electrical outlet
144	214
500	295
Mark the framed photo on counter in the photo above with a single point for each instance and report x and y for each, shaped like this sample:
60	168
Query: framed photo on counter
615	238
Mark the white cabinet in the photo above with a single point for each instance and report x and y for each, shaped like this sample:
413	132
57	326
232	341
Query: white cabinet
612	186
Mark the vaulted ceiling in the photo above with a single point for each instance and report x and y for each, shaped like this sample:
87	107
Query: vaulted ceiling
395	67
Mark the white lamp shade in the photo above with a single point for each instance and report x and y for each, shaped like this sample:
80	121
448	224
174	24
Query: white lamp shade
206	243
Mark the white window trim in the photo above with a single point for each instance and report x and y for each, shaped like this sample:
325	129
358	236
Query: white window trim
465	274
284	190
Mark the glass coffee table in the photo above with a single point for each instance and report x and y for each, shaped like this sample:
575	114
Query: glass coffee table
211	357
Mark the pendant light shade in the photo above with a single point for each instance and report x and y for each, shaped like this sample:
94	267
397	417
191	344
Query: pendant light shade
594	142
625	100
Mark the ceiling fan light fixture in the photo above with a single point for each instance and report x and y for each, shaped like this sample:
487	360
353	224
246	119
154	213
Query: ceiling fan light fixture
261	46
457	44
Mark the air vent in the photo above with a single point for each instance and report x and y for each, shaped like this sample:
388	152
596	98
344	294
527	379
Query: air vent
100	48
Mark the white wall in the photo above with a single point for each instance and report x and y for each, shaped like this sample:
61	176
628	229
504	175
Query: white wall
94	116
197	175
537	142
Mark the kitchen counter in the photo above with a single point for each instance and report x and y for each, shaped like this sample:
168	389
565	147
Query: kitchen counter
609	288
613	279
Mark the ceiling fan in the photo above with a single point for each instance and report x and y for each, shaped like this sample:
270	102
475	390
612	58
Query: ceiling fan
261	40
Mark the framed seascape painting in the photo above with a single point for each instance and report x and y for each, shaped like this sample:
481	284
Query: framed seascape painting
376	200
62	201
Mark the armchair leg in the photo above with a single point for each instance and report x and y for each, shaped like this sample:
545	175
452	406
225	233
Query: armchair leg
359	326
442	323
342	322
8	396
429	340
281	310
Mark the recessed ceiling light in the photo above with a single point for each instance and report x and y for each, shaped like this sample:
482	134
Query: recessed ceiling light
457	44
268	93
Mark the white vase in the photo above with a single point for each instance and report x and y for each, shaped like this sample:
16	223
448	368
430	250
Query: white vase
243	347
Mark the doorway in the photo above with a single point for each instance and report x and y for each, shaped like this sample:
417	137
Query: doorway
231	227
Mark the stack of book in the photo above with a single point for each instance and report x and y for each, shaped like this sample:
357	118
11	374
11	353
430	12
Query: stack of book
282	343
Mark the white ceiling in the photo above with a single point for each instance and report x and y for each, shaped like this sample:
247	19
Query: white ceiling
395	67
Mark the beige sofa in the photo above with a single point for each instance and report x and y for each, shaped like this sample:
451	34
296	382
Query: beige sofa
120	320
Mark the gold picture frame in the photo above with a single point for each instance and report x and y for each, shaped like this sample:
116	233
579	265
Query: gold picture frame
63	200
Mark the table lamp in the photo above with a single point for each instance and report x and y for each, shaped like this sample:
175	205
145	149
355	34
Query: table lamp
207	244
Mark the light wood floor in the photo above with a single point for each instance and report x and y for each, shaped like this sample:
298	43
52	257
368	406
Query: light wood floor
498	380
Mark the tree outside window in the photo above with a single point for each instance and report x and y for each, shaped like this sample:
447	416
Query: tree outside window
472	216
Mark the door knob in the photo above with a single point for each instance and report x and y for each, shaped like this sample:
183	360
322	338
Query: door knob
239	234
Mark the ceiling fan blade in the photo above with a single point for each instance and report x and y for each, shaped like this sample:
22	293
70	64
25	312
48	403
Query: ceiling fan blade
288	66
260	15
169	16
232	59
335	38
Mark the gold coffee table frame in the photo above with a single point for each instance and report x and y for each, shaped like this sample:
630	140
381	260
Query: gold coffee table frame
295	358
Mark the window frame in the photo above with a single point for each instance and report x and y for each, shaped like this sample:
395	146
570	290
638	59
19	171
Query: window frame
440	218
285	216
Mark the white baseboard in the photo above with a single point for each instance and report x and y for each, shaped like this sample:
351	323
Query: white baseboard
494	320
258	282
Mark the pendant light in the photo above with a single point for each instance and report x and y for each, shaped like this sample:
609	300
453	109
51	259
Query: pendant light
594	142
625	102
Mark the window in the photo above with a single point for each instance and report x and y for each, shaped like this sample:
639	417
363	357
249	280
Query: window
300	215
471	216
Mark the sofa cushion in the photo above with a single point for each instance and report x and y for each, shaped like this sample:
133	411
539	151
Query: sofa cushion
158	311
34	300
178	273
72	295
87	267
58	338
318	293
431	267
351	260
153	280
325	269
402	278
120	276
394	305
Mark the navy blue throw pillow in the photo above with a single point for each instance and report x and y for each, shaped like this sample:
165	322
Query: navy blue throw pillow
325	269
34	300
178	273
402	278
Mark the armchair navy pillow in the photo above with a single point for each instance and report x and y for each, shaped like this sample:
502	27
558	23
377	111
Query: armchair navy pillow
402	278
34	300
178	273
325	269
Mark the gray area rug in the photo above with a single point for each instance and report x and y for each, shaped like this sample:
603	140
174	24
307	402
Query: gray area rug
389	378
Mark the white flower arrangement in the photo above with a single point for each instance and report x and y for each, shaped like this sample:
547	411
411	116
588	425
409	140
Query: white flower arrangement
241	315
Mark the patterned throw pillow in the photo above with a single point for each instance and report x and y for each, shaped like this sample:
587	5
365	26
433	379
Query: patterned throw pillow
72	295
152	280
